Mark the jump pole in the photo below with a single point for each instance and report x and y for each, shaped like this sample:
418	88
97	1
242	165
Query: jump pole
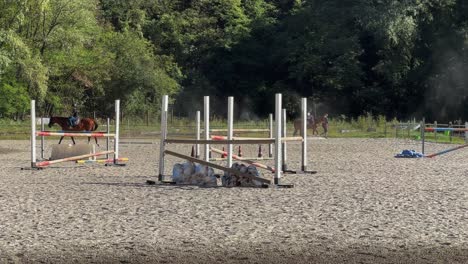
74	134
100	160
197	146
270	146
230	119
206	114
248	161
446	151
33	134
164	107
442	129
278	108
50	162
217	137
241	130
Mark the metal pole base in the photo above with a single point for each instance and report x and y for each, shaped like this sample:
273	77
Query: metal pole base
305	171
160	177
285	185
115	164
32	168
286	171
150	182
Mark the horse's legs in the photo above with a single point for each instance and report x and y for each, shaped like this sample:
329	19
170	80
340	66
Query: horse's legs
73	140
314	131
60	141
95	139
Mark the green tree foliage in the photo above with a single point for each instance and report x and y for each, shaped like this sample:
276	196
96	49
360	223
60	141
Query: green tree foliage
14	99
137	75
396	58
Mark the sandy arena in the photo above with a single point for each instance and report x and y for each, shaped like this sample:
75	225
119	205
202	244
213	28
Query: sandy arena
363	206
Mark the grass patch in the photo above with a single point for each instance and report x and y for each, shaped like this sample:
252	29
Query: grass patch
362	127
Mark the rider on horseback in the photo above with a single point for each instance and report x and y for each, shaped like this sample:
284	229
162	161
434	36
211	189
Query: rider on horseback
310	118
74	120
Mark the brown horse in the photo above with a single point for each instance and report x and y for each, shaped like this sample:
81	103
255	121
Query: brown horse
311	124
85	124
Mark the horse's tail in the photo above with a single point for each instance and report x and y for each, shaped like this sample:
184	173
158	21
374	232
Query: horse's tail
95	126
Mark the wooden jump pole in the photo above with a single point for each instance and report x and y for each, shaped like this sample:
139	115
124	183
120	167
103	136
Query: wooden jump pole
220	138
164	107
230	120
100	160
216	166
206	114
197	146
246	158
33	134
270	127
256	164
278	107
50	162
219	142
304	133
75	134
242	130
443	129
446	151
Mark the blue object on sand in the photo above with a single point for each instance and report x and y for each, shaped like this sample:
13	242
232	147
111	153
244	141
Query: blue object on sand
409	154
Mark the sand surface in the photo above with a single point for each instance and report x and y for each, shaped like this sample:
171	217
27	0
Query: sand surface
363	206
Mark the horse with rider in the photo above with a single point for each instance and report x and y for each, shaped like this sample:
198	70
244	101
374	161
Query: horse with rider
312	123
74	123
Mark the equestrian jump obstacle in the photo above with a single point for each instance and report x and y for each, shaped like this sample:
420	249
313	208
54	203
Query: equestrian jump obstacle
115	136
442	129
238	130
277	139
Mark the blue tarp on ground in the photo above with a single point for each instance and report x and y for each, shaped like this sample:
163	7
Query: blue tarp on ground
409	154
